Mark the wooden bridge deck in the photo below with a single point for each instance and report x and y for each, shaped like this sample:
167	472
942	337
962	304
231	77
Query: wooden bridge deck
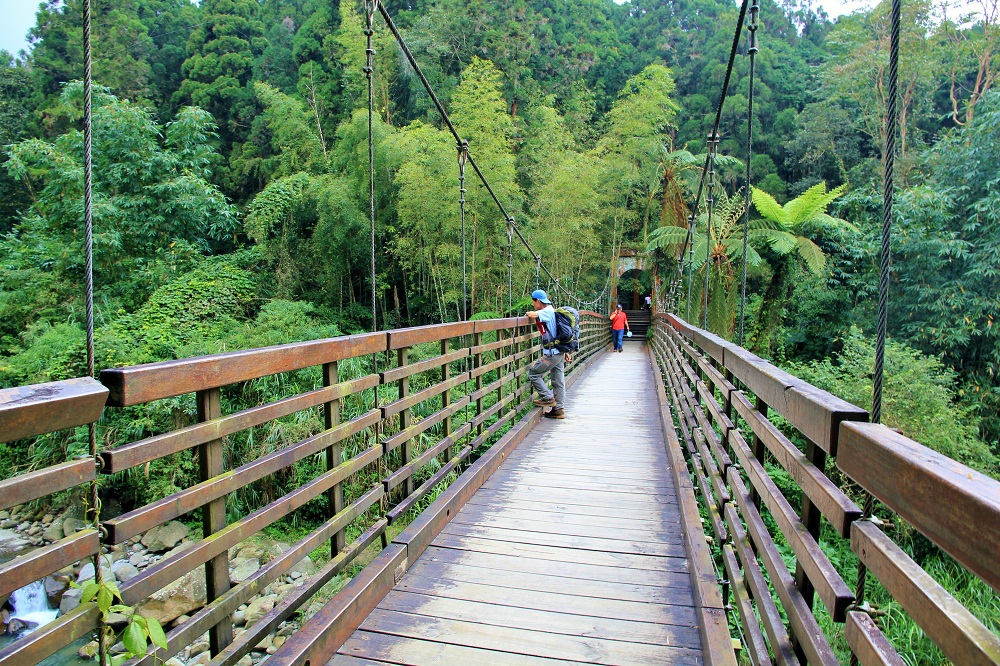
571	552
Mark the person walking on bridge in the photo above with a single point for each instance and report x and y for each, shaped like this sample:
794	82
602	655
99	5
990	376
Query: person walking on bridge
619	324
552	362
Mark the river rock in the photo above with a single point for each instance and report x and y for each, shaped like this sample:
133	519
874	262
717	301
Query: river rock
124	571
55	588
88	651
87	573
243	568
247	660
201	659
53	532
265	644
165	536
257	609
184	595
70	526
174	661
17	625
239	618
70	600
12	543
8	523
305	567
198	647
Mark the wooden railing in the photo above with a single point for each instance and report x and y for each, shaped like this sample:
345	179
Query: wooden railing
722	397
385	447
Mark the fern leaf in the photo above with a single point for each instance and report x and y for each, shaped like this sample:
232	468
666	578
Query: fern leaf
811	254
768	207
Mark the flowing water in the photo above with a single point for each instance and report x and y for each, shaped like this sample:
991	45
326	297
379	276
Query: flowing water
31	605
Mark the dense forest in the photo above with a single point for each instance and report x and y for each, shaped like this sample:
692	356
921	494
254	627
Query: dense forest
231	189
231	202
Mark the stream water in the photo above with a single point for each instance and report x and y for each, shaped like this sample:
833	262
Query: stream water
31	605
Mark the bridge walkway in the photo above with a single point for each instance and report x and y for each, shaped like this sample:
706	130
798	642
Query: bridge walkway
572	551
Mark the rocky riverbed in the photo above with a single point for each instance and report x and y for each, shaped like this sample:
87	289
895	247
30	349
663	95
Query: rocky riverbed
22	529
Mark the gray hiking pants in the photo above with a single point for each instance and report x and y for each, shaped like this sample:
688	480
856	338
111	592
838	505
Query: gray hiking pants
554	366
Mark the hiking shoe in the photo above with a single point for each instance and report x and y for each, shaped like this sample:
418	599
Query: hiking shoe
556	413
542	402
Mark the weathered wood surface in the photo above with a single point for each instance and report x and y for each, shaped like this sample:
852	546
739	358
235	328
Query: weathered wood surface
571	551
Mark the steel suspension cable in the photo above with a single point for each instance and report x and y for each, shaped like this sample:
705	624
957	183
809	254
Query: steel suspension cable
88	240
369	70
752	53
689	239
713	144
508	218
891	122
463	156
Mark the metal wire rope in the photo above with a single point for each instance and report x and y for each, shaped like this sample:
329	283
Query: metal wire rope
688	240
752	53
463	156
508	218
891	122
369	70
713	143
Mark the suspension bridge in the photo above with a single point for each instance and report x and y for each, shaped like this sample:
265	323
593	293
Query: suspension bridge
643	528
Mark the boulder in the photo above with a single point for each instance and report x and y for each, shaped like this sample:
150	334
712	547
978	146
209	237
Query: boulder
165	536
184	595
201	659
257	609
55	587
72	526
54	531
124	571
305	567
70	600
181	547
12	543
242	568
247	660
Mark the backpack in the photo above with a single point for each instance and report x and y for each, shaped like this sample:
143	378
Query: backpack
567	333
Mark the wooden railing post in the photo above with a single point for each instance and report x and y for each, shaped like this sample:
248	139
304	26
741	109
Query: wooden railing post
402	359
445	402
811	517
334	456
759	451
213	516
477	361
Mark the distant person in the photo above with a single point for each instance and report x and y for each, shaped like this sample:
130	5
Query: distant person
619	324
555	353
649	303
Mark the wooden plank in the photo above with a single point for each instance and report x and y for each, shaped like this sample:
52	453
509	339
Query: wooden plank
556	526
423	425
184	501
319	639
832	589
40	562
582	543
767	382
484	325
755	645
157	576
26	411
24	488
959	634
548	622
396	406
388	649
954	506
438	477
211	463
771	619
476	511
188	632
285	607
418	534
818	414
411	369
158	446
528	564
804	627
822	492
868	643
408	337
534	643
556	554
570	587
144	383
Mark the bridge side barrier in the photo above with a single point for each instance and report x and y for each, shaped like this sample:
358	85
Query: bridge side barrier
53	410
445	393
729	437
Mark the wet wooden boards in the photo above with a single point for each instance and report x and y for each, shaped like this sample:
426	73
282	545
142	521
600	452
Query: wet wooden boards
571	552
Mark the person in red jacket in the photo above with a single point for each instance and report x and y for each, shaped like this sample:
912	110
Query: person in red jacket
619	324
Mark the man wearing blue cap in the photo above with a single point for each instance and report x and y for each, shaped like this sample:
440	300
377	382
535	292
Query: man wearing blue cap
552	361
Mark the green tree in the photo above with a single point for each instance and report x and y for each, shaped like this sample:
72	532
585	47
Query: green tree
792	227
153	206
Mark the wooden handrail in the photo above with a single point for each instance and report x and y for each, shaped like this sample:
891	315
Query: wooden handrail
954	506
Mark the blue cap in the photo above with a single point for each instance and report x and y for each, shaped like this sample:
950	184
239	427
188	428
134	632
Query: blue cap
540	295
